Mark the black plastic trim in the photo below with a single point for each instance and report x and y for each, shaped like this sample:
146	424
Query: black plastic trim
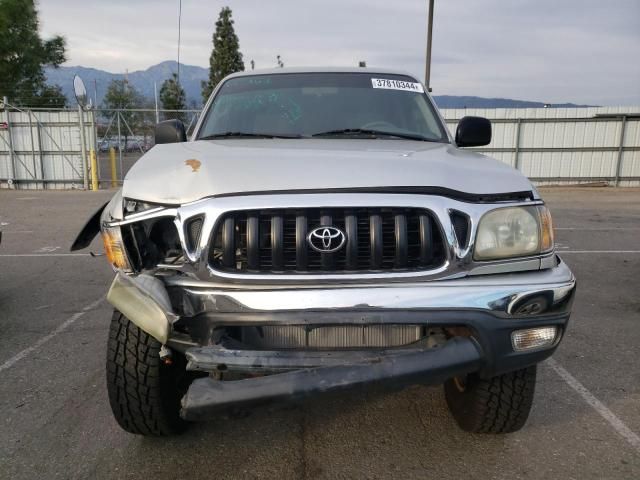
228	242
426	240
402	242
351	229
301	241
429	366
492	332
277	242
89	231
461	225
404	190
375	233
253	242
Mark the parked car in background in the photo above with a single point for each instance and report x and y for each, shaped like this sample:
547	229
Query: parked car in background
132	144
320	231
105	144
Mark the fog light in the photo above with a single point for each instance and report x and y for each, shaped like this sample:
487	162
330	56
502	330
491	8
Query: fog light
533	338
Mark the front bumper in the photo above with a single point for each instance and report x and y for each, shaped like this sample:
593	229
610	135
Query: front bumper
499	295
489	308
458	356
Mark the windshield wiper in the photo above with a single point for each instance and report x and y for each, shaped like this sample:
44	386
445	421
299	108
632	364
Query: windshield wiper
376	133
247	135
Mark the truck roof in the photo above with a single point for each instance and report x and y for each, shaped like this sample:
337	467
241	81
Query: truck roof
282	71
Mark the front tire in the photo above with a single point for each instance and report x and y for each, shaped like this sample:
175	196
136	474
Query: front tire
496	405
144	393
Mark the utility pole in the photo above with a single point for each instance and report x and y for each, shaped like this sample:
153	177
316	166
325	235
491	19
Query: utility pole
179	28
83	144
427	76
155	95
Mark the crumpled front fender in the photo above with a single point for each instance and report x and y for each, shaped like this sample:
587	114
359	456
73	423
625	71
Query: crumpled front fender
92	227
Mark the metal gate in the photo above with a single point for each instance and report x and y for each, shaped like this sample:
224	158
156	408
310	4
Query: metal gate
44	148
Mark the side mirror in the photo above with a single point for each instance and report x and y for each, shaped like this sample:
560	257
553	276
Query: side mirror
473	132
170	131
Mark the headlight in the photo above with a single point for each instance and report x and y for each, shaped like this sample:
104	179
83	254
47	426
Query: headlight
514	232
136	206
114	249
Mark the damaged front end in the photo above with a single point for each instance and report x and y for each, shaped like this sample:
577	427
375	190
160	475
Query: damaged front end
139	240
187	276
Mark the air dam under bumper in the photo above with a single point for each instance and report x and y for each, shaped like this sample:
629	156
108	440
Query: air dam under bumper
458	356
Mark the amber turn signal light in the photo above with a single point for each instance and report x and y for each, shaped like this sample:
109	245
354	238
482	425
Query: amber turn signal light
546	229
114	249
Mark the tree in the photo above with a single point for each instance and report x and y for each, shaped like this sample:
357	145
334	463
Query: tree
23	56
225	56
121	96
50	96
172	97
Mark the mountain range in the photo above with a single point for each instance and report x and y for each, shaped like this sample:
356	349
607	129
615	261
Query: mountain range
191	77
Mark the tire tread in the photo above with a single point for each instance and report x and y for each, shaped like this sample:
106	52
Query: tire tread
142	392
496	405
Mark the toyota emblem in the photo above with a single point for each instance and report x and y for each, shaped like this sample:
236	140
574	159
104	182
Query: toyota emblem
326	239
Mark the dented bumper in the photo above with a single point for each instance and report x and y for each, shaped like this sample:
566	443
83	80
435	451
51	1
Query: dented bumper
533	295
458	356
489	308
501	295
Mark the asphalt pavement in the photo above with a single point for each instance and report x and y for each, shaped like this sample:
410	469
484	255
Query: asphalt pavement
56	421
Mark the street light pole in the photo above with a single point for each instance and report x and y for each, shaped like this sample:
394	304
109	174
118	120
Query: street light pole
427	76
179	31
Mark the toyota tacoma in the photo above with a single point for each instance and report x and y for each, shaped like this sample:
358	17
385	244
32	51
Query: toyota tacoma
321	230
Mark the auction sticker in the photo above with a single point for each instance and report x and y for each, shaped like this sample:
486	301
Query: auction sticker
397	85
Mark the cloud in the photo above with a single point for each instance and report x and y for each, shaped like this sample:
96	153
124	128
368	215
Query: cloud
582	51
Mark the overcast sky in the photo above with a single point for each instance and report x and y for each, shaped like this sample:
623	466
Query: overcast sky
581	51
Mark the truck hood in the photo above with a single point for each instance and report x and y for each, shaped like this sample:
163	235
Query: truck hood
180	173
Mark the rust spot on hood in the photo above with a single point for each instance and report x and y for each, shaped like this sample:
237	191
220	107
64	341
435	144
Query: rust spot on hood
194	164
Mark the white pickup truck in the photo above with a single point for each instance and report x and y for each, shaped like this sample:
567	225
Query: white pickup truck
321	230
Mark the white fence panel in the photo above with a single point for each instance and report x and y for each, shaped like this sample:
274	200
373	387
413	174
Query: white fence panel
564	145
43	149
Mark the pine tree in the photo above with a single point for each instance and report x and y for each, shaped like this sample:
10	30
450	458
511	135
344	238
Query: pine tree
225	56
172	97
23	56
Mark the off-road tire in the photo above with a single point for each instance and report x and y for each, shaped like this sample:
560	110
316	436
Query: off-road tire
496	405
144	393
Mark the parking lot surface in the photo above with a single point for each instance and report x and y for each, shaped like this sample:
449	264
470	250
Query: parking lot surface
56	421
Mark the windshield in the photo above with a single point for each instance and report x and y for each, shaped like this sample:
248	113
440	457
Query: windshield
326	105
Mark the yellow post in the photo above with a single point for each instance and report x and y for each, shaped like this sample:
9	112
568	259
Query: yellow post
94	170
112	159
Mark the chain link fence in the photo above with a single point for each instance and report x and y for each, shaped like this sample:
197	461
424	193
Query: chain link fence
127	134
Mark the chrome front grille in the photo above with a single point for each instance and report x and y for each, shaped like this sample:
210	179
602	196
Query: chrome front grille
377	239
331	337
